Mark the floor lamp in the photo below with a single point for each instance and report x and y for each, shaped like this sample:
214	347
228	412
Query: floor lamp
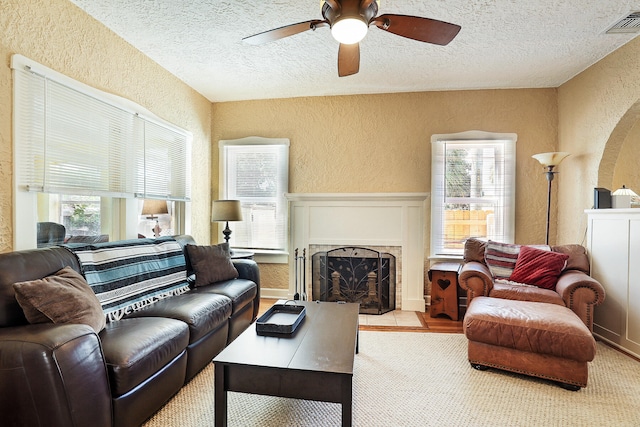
550	161
226	210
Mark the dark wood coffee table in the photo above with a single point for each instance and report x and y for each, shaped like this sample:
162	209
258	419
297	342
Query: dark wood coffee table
314	363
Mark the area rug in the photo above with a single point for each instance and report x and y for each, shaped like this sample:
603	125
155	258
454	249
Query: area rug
424	379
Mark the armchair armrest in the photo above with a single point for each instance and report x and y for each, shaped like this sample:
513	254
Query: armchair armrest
248	269
581	293
53	375
475	278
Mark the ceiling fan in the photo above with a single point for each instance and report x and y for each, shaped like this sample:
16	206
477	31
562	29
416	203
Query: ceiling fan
349	21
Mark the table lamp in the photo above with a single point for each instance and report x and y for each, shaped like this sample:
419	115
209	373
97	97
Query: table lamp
226	210
152	208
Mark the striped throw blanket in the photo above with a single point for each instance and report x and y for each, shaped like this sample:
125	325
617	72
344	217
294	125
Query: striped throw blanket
131	274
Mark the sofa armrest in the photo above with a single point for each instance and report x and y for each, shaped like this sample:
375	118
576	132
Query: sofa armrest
53	375
581	293
248	269
475	278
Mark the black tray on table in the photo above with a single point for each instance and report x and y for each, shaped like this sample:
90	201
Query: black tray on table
280	320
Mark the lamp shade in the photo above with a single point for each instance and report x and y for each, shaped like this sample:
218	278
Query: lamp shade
550	159
154	207
624	191
226	210
349	30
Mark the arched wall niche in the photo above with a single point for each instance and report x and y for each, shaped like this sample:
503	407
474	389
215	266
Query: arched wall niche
628	124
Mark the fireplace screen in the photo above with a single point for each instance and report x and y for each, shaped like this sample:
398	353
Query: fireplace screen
353	274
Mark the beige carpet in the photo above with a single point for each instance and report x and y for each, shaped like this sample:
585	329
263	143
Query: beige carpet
424	379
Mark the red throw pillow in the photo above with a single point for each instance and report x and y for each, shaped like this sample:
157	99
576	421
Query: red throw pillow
538	267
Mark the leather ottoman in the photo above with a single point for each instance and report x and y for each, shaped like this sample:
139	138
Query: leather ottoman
532	338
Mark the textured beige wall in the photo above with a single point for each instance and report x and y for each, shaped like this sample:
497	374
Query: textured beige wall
597	111
626	171
381	143
59	35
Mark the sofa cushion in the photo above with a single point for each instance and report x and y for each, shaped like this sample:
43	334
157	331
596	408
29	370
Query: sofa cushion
538	267
64	297
211	264
202	313
240	291
506	289
131	274
135	349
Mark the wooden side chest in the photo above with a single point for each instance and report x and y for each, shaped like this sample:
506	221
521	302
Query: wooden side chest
444	289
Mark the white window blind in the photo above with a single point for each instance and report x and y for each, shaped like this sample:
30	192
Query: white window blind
255	171
473	190
167	169
74	139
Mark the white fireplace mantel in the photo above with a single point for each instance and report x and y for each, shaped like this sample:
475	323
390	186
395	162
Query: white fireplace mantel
363	219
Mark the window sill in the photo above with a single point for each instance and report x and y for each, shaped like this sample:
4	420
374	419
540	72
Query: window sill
269	257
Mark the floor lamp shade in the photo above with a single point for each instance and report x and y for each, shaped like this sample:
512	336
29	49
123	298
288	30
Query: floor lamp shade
549	161
226	210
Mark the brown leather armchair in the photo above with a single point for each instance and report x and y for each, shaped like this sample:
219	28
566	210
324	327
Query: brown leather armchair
575	289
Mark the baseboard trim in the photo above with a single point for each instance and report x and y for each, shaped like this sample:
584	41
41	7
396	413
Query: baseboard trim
275	293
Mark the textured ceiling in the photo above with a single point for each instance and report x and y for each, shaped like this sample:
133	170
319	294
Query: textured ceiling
502	44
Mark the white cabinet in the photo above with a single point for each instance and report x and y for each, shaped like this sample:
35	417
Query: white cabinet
614	251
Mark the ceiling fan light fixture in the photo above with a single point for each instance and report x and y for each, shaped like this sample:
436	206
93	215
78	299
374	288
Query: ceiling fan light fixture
349	30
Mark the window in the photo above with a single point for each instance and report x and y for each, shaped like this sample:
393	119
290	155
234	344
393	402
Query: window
83	157
256	171
473	190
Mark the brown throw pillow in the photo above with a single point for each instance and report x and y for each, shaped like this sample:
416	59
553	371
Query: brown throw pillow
578	259
211	263
474	249
64	297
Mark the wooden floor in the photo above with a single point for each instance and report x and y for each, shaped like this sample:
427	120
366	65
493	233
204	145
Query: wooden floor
427	323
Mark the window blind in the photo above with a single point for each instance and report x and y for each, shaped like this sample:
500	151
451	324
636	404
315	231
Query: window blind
473	190
74	139
255	171
167	169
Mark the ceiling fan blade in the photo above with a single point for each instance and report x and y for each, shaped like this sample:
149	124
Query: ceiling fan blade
286	31
417	28
348	59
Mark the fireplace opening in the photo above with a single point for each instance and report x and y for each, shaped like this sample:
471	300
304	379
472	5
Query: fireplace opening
354	274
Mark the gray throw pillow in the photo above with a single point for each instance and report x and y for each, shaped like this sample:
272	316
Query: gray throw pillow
64	297
211	263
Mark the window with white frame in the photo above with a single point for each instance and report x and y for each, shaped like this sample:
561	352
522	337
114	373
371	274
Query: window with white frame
83	156
472	190
255	171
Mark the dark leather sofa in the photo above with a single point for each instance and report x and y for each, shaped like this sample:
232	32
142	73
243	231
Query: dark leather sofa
69	375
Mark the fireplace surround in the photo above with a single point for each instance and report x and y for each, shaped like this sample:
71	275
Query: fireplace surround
323	221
